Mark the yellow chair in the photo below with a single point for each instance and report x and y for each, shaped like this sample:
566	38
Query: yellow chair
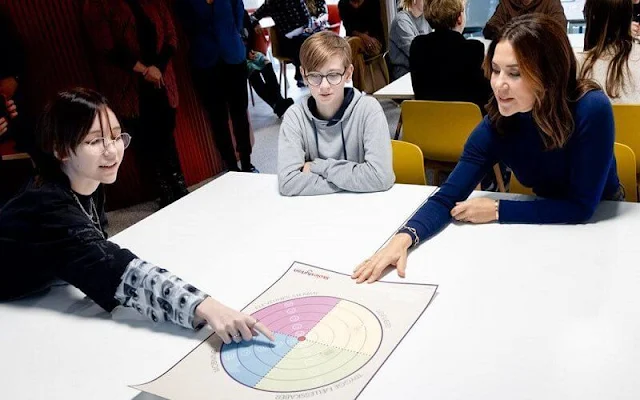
627	172
440	129
627	118
408	163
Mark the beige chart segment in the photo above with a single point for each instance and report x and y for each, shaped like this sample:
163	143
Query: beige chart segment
339	345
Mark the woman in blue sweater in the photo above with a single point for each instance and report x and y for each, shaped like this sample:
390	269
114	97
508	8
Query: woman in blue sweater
556	133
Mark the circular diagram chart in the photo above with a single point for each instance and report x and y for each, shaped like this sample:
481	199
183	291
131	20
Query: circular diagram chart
319	340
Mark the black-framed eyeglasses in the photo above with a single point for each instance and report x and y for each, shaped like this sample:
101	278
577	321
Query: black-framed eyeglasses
334	78
99	145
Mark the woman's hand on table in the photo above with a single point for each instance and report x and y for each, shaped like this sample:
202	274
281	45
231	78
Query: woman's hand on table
479	210
394	254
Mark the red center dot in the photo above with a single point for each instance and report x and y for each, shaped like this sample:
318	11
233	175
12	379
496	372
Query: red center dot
302	339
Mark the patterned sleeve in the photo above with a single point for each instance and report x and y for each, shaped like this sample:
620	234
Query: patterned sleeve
159	295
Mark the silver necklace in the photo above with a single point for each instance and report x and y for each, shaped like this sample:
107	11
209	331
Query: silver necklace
92	208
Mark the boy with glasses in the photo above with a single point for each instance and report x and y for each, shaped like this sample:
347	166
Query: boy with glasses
338	138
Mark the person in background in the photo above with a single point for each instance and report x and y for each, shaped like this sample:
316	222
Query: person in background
406	26
15	126
444	65
134	42
293	25
611	57
338	138
218	57
11	70
509	9
56	227
261	75
319	14
553	130
363	25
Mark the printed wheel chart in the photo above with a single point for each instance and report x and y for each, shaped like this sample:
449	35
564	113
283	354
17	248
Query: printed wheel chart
319	340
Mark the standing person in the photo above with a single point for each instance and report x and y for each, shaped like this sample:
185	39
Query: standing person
611	57
14	125
134	42
509	9
218	58
553	130
319	14
11	69
55	228
406	26
363	25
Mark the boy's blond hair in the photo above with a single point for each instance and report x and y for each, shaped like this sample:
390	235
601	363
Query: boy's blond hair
443	14
320	47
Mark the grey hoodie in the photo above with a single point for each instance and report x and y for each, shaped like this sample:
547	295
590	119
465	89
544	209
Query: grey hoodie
351	152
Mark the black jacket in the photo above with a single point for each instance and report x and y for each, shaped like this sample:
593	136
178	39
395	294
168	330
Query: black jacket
45	235
447	67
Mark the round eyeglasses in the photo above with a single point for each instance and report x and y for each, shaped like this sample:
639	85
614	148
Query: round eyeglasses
334	78
100	145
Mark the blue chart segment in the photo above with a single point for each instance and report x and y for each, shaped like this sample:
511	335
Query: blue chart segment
319	340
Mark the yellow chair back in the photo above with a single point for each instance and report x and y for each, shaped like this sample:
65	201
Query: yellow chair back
439	128
627	122
626	162
408	163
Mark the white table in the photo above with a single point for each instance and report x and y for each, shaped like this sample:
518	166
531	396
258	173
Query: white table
552	313
402	89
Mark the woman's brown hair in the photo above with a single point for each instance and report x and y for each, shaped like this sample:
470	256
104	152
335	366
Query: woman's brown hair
547	63
608	34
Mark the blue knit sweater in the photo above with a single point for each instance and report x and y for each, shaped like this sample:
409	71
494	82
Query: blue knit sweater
214	30
571	180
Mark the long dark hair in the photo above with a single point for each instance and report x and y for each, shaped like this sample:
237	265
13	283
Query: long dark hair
62	126
608	34
547	63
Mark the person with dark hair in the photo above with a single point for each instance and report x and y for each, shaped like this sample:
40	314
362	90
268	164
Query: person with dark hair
611	57
56	227
262	78
553	130
134	42
509	9
218	58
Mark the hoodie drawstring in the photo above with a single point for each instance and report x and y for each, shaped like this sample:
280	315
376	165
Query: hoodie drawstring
315	133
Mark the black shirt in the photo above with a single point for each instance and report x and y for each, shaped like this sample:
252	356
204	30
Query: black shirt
44	235
447	67
364	19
